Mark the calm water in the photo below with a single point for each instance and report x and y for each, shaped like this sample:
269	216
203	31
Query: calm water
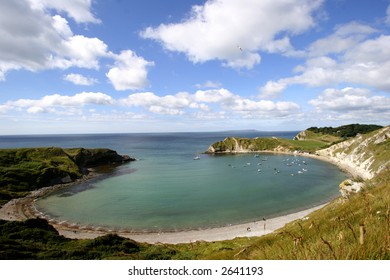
166	189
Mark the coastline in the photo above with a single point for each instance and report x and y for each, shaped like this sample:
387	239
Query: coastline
24	208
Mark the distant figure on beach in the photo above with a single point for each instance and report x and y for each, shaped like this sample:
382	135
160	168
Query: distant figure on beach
248	229
264	219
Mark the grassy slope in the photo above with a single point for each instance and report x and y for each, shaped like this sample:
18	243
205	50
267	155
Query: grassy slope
321	137
26	169
23	170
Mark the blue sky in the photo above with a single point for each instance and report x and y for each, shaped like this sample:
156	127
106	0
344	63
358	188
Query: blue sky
94	66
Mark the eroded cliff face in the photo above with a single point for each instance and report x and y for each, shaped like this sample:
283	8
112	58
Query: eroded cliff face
369	153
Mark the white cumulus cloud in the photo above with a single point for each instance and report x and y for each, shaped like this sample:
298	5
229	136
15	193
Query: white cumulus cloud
49	103
234	32
213	102
79	10
130	71
352	104
79	79
272	89
353	54
33	39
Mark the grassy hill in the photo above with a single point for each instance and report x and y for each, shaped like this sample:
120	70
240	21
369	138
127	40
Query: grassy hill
331	135
26	169
242	145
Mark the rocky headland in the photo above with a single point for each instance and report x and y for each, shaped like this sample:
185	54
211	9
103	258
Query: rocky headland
27	169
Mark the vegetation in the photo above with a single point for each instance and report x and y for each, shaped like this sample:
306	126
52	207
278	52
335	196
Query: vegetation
27	169
36	239
353	228
345	131
265	144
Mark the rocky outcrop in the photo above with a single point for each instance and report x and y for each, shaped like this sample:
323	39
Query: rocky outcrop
96	157
348	187
301	136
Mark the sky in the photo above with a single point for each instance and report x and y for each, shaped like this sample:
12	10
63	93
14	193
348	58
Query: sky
122	66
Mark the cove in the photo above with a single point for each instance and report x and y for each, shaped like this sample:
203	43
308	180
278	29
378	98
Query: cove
169	191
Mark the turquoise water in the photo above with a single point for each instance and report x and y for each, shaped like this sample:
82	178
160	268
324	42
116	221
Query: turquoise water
166	189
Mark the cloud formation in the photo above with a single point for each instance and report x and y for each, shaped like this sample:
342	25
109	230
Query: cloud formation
210	102
351	104
352	54
79	10
203	104
234	32
130	71
50	103
41	41
79	79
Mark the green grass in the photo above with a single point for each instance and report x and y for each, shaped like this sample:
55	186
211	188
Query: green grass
26	169
322	137
23	170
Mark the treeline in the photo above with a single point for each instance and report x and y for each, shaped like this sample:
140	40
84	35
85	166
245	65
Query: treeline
346	131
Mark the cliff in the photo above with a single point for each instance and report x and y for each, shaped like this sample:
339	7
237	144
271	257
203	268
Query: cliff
26	169
367	153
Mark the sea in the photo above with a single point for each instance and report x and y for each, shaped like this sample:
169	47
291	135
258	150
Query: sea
174	186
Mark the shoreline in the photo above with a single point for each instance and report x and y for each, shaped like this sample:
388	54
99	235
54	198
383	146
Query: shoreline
24	208
252	229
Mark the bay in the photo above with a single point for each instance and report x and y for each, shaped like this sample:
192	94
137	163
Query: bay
167	190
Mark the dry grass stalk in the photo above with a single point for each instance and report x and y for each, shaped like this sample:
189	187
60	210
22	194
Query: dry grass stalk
362	234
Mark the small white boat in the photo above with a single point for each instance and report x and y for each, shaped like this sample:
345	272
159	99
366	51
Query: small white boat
196	157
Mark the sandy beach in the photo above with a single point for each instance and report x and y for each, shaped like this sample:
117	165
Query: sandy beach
24	208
